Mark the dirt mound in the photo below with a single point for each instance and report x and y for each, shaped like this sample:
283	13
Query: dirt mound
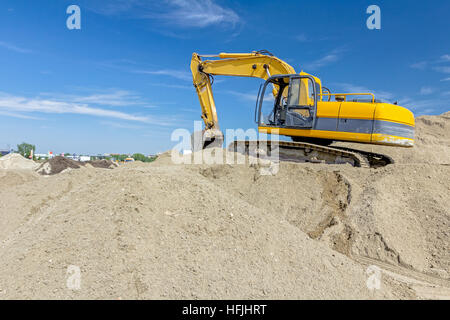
10	178
104	164
161	230
57	164
16	161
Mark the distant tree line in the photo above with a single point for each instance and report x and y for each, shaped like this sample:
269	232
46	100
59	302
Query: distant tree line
25	150
143	158
136	157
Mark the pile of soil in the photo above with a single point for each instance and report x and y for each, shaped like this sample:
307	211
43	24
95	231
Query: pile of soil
16	161
165	231
104	164
59	164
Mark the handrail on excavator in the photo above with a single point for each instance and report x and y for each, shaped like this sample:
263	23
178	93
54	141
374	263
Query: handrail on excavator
349	94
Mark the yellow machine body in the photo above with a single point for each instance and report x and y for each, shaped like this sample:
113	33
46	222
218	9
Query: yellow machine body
376	123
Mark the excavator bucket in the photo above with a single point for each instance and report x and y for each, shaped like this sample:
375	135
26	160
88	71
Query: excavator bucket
206	139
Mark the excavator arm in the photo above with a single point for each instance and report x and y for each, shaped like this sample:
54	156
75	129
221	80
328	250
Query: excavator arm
256	64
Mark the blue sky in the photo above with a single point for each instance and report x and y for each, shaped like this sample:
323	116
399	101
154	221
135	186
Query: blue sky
122	83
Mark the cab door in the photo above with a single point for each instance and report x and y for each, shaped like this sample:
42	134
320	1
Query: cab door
301	104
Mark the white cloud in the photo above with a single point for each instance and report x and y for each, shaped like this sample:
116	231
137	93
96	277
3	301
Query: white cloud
445	57
301	38
419	107
426	106
190	110
113	98
114	7
118	98
424	112
323	61
174	86
442	69
12	47
182	75
419	65
427	90
442	60
21	105
17	115
244	96
331	57
350	88
446	79
181	13
119	125
250	96
199	13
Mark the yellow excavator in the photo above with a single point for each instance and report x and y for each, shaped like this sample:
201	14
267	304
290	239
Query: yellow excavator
303	109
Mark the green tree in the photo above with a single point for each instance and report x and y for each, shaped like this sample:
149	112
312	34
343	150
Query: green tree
139	157
122	157
143	158
25	149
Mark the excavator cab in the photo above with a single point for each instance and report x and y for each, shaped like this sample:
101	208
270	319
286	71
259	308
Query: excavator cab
294	104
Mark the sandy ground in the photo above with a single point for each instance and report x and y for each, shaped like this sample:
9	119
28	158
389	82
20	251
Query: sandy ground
165	231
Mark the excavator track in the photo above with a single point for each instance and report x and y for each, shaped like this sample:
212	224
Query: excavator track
309	152
376	160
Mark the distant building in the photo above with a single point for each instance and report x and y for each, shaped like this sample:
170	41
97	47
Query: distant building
48	155
41	155
4	152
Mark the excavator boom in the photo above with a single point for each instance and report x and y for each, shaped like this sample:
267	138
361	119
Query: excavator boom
254	64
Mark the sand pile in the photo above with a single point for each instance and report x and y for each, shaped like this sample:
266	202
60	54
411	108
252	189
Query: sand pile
14	177
104	164
162	230
16	161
